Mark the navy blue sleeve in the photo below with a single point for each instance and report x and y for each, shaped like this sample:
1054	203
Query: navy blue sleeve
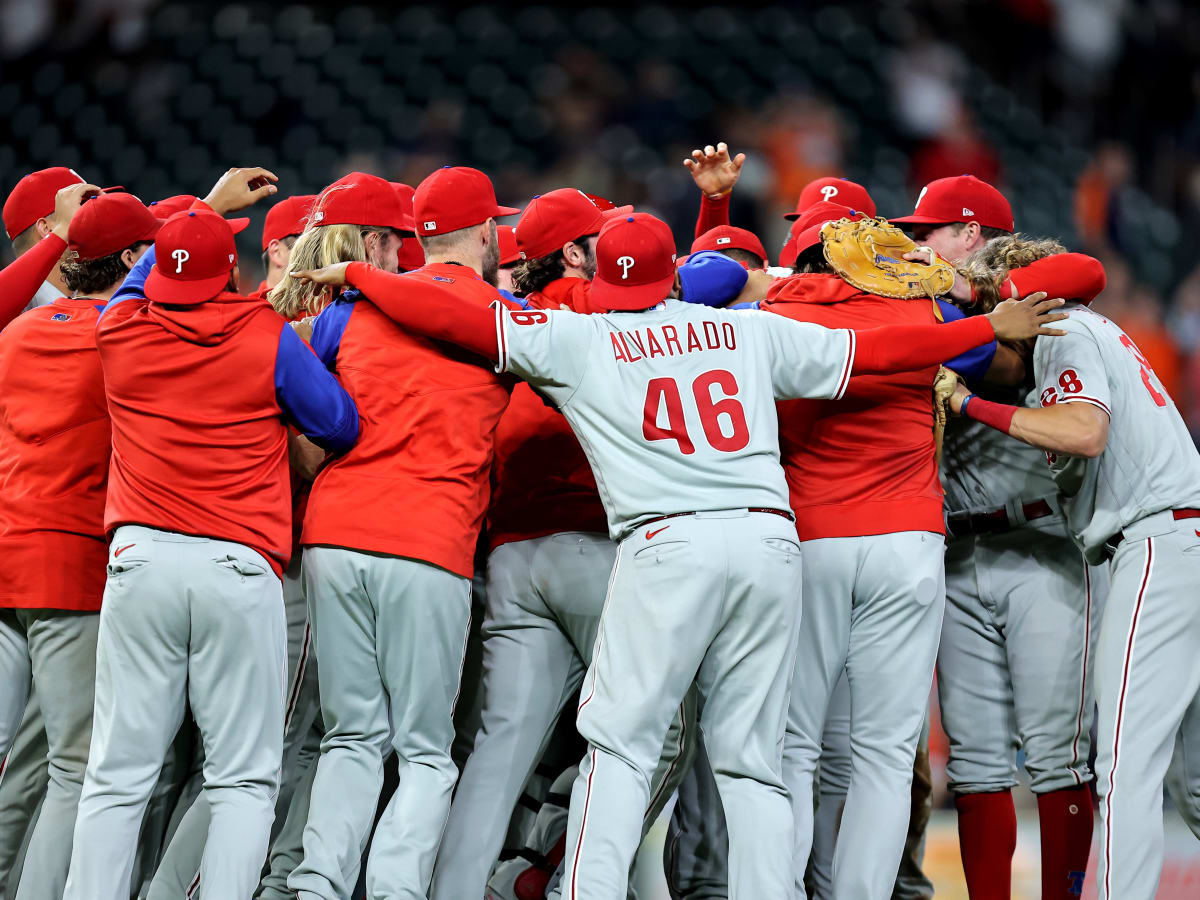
134	285
973	364
311	397
329	327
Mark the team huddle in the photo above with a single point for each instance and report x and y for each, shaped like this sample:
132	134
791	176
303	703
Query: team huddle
722	521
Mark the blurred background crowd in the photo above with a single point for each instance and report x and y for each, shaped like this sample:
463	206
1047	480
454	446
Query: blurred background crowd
1086	113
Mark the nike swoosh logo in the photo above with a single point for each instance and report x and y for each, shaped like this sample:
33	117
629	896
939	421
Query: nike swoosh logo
121	550
650	534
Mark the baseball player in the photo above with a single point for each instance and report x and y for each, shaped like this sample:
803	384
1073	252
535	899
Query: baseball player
389	540
23	772
192	610
1128	477
718	585
547	573
54	476
281	229
30	214
1015	654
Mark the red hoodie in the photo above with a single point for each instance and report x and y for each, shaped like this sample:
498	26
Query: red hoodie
55	444
543	483
863	464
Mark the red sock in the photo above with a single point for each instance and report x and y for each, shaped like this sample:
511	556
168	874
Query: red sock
1066	823
987	837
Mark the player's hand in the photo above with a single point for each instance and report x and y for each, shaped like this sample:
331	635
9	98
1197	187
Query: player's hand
334	275
956	399
923	255
67	202
239	188
304	327
1016	320
305	456
713	171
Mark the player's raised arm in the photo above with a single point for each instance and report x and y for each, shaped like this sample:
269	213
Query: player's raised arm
715	174
436	313
20	280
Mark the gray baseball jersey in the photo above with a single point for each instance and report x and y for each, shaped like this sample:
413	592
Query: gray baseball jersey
983	469
668	404
1150	463
1147	671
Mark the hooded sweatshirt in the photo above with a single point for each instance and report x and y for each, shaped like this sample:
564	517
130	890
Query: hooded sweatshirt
200	396
863	464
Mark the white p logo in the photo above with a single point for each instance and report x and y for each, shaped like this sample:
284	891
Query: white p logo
626	263
829	192
180	256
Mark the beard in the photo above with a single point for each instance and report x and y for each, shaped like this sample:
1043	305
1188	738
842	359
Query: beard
589	264
491	258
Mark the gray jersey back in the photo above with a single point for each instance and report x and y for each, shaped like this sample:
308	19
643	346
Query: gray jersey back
984	469
675	406
1150	463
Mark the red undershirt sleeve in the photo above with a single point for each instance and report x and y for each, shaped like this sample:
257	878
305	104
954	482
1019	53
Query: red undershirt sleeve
428	309
905	348
712	213
20	280
1072	276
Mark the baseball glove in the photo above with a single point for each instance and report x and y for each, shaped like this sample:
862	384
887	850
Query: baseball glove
869	254
944	384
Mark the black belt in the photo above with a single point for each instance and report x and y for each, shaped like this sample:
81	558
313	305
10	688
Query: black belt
995	521
754	509
1177	514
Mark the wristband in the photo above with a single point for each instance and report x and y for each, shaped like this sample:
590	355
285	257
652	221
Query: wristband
994	415
962	410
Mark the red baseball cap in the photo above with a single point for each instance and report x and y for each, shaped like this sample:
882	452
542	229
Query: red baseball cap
602	203
360	199
107	223
960	198
553	218
510	254
806	230
411	255
164	209
288	216
830	189
635	263
455	197
33	197
194	254
726	237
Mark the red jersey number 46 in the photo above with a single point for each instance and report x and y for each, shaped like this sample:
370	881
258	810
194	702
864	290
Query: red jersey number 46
714	394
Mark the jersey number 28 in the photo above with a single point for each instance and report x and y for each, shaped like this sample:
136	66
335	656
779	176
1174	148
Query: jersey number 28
662	395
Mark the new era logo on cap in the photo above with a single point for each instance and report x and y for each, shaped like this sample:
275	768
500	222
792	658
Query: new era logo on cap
968	212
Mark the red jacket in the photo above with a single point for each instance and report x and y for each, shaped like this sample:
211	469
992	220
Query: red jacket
55	443
863	464
417	482
543	482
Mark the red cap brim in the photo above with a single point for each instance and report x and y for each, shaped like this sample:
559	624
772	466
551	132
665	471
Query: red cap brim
161	289
237	225
632	296
500	211
919	220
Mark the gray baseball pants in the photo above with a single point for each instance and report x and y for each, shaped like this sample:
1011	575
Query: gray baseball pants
56	650
873	607
1147	686
186	621
390	635
711	598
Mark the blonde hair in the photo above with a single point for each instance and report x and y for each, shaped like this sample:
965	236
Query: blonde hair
988	266
318	246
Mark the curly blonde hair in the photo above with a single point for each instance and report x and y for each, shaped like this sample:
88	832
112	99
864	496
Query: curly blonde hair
988	266
317	246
